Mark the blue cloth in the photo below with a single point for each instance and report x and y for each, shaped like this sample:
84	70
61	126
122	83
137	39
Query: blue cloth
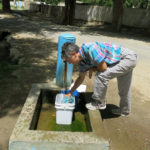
75	94
67	100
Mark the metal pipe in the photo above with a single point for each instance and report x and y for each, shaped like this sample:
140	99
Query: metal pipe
65	75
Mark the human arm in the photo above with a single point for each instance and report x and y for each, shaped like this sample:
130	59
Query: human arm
101	67
77	83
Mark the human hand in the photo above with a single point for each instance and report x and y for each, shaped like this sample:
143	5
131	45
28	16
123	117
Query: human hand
68	95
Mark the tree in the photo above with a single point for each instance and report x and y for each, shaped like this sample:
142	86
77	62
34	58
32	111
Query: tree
137	3
144	4
6	5
15	2
117	14
69	11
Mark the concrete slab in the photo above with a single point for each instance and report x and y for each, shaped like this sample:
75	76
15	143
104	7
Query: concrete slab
25	138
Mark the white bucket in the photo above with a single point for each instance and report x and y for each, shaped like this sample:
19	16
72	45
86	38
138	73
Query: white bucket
64	111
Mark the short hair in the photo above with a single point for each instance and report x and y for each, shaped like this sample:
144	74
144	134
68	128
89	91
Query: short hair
68	48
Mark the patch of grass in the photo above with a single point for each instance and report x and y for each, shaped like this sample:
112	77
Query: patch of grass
6	69
0	6
17	8
13	7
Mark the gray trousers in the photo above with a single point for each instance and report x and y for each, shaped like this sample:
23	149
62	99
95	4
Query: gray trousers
123	71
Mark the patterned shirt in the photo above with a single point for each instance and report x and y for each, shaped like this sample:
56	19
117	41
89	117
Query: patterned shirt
93	53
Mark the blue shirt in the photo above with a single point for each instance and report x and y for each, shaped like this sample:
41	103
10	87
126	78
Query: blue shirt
95	52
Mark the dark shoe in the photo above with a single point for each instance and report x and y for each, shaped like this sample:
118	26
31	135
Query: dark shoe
118	112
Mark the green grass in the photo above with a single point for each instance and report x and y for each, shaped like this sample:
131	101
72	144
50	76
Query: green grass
5	72
6	69
13	7
0	5
17	8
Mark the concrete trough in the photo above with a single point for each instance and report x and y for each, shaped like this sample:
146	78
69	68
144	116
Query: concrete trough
25	137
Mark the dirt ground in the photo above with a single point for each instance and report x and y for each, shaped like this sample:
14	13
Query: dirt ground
36	38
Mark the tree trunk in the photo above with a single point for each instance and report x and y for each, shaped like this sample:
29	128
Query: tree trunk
69	11
117	14
15	2
6	5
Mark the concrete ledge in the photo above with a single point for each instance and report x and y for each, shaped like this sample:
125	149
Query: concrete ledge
23	138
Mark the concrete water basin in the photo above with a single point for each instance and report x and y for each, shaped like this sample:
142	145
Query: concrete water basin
30	133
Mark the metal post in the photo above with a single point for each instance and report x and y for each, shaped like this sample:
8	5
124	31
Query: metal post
63	38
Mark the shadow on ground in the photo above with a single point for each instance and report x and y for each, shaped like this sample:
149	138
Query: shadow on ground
107	113
31	22
39	67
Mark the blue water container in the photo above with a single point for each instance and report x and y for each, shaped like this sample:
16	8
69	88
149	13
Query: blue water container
63	38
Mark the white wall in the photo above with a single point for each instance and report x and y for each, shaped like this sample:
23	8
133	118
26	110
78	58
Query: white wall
27	4
136	17
132	16
93	13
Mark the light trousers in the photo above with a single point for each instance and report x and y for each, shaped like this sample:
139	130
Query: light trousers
123	72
